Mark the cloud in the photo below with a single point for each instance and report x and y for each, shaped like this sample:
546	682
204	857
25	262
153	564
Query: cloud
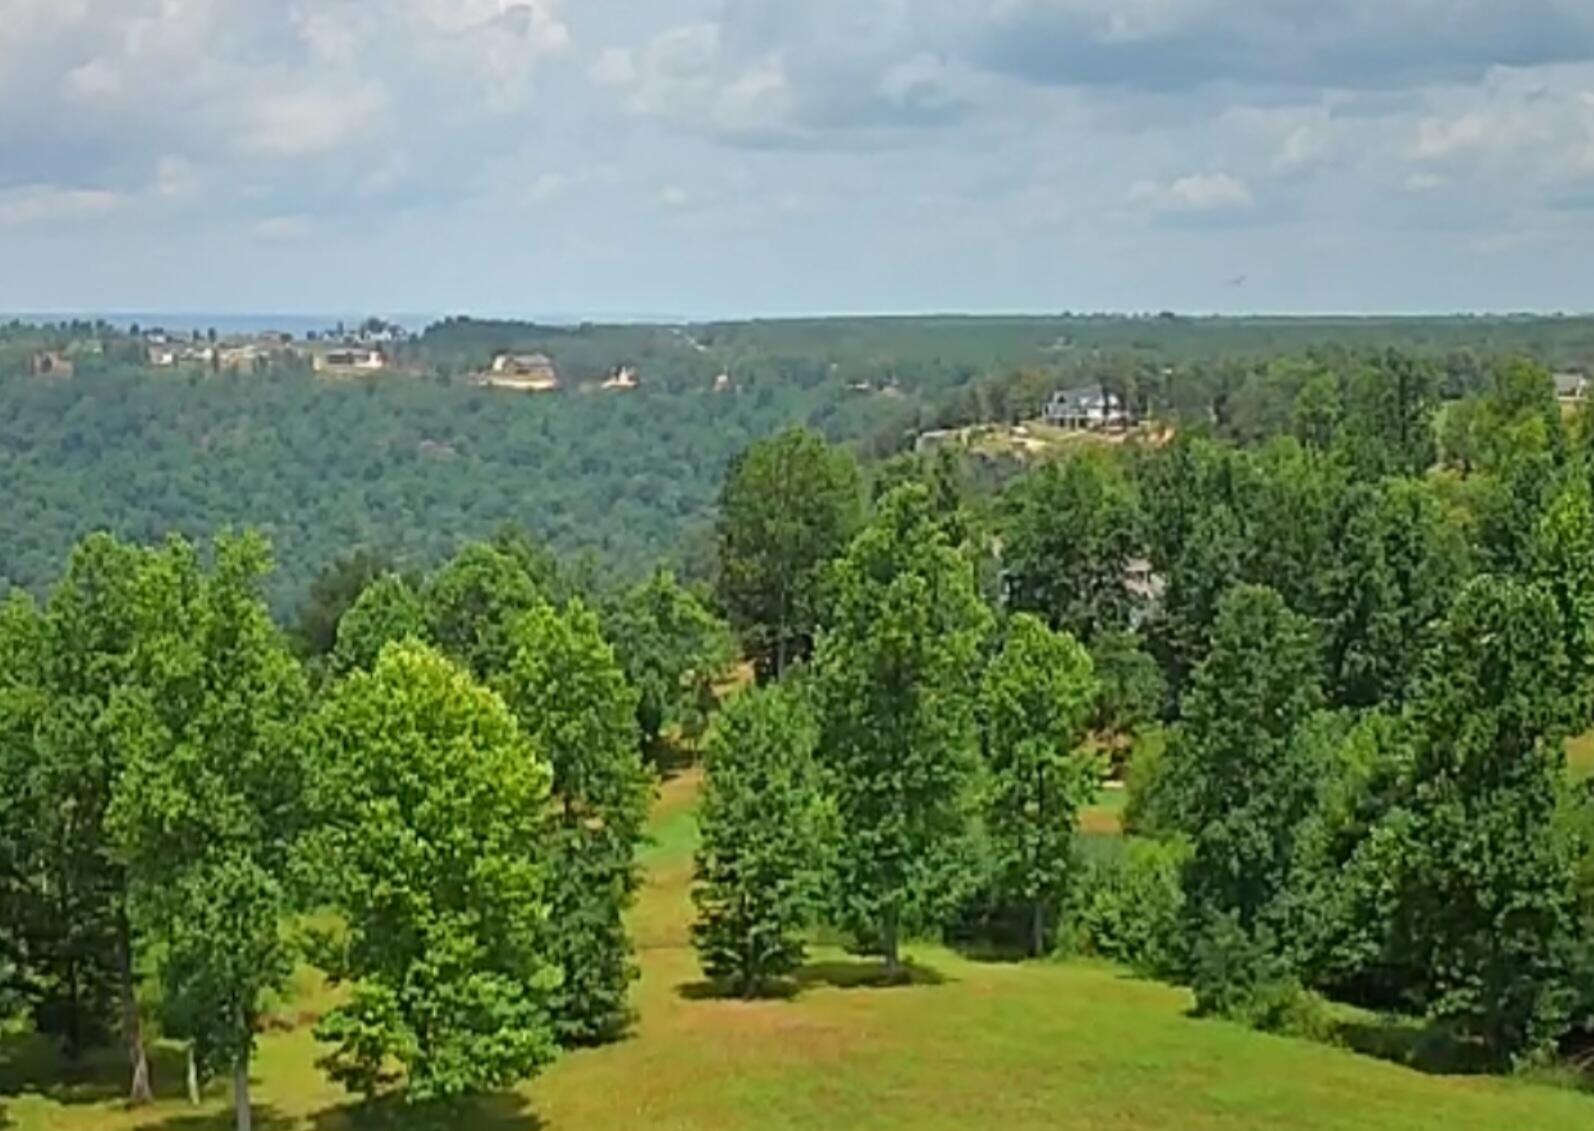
1196	193
43	204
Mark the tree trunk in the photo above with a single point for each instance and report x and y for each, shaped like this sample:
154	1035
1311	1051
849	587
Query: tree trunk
132	1028
243	1118
890	945
193	1076
1037	930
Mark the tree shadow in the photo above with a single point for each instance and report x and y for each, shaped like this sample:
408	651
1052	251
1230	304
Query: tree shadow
500	1111
839	974
33	1064
266	1118
1427	1047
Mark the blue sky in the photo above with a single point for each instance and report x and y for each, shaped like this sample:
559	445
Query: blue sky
726	157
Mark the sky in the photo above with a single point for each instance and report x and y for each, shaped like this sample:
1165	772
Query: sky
717	158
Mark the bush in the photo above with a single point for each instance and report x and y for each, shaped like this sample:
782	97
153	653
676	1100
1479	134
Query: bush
1240	976
1131	904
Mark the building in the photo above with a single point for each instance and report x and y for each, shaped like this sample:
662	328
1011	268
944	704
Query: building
349	360
526	372
1571	385
625	379
1088	408
52	364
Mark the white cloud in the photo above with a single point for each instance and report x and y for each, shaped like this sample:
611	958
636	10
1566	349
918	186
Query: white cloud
44	204
1197	192
284	229
614	66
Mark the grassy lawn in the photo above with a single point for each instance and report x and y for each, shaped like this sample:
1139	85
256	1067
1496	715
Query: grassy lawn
1580	756
1016	1047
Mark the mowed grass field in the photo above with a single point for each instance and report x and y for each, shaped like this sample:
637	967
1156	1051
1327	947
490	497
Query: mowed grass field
1015	1047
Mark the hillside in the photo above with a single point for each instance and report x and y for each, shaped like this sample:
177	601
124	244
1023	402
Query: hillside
1021	1047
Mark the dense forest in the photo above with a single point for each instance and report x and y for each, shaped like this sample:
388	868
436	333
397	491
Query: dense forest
412	463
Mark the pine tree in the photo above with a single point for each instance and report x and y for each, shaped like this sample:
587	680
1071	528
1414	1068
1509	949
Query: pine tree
757	864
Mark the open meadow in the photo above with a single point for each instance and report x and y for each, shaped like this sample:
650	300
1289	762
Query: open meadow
1015	1046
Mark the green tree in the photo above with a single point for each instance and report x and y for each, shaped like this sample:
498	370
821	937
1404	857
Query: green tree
67	893
1035	706
209	803
473	602
1245	781
673	651
1486	892
1069	530
567	690
1399	561
895	673
334	591
386	612
1563	565
1318	412
433	845
757	865
789	507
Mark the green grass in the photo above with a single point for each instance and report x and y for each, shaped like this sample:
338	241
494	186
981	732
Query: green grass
1580	756
1016	1047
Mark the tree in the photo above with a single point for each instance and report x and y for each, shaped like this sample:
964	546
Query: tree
1563	565
1245	783
210	800
1485	907
789	506
757	864
67	899
433	845
1069	530
1318	412
1035	706
334	591
895	671
473	602
386	612
571	698
674	651
1399	562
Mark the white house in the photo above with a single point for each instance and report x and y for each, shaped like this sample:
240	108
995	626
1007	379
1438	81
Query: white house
1088	407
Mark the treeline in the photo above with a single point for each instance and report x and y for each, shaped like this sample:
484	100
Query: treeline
440	809
1336	667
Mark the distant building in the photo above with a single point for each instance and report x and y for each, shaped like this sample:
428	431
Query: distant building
52	364
162	356
723	383
526	372
625	379
1088	408
1571	385
349	360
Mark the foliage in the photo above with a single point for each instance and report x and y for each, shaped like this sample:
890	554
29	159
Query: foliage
1486	895
1246	782
473	602
334	591
1035	704
566	688
1131	905
1069	530
895	667
433	845
674	651
209	802
789	506
386	612
757	865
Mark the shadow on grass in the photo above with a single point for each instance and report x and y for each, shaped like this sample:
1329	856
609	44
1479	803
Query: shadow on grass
266	1118
841	974
1424	1046
502	1111
34	1064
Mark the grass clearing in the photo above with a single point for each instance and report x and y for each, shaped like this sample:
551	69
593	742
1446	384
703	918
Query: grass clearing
1020	1047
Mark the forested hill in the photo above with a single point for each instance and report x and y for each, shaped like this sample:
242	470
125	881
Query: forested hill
415	461
405	466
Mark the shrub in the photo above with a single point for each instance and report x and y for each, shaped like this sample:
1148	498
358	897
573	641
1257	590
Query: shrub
1131	904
